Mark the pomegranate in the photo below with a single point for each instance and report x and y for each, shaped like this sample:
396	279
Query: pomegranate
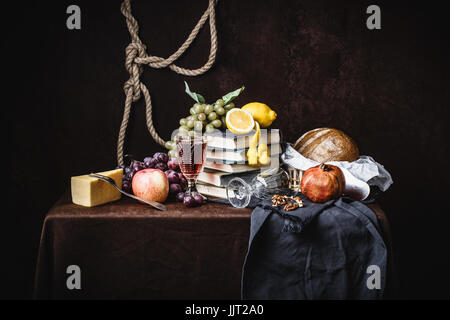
323	183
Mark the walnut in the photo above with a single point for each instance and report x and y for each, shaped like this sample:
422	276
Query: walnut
291	206
278	200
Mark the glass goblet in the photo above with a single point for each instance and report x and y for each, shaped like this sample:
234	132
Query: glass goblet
191	155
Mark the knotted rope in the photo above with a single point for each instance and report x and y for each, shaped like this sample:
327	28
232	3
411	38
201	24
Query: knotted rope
136	56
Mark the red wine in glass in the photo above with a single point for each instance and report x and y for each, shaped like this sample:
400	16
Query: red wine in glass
191	158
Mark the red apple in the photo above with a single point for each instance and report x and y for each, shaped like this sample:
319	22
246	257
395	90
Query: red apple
150	184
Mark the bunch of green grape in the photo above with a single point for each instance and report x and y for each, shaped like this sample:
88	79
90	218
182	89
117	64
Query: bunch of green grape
202	118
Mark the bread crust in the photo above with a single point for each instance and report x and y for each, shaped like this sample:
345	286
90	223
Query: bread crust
327	144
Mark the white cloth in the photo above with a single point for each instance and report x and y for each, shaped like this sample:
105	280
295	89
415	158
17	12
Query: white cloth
359	174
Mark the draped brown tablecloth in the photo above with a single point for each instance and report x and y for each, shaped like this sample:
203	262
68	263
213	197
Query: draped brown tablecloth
127	250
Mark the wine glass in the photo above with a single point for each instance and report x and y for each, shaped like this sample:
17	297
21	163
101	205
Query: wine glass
263	186
191	154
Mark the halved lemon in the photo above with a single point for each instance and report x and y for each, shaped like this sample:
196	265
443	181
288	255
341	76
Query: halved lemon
239	121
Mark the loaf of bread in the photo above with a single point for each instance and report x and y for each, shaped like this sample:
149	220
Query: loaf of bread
327	144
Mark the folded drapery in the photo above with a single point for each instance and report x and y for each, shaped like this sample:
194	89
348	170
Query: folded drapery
320	251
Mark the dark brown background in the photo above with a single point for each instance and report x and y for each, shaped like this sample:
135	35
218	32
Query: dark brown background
314	62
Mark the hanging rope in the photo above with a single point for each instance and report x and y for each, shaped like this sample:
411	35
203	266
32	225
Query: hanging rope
136	56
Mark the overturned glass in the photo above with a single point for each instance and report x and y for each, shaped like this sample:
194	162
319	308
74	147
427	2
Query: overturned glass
263	186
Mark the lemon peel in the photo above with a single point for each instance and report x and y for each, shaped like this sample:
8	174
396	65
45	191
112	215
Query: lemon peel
252	152
263	154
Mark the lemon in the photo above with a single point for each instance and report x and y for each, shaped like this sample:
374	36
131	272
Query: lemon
239	121
261	112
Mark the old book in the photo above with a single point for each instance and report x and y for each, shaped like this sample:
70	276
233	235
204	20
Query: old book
236	156
230	141
274	159
221	179
212	191
235	168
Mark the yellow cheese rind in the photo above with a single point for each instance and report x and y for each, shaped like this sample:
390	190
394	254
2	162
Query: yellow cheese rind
89	192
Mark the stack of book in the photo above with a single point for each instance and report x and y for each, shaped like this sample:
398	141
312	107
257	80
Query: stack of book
226	159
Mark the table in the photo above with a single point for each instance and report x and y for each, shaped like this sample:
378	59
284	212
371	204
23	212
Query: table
127	250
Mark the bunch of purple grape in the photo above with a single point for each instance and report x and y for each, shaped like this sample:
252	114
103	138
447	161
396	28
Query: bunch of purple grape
160	161
191	200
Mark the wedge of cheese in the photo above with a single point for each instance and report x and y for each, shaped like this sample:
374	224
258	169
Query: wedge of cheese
90	192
